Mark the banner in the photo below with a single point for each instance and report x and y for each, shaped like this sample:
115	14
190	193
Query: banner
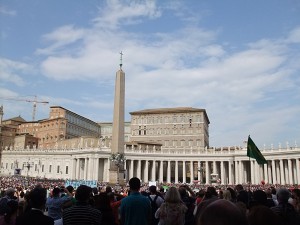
77	183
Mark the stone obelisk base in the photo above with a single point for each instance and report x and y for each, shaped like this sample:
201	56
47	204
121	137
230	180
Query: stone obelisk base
113	177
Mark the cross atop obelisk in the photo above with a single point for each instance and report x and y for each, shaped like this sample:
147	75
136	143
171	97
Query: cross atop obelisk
121	59
117	145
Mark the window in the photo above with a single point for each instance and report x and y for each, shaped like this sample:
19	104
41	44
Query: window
35	167
57	169
50	168
144	130
42	168
67	169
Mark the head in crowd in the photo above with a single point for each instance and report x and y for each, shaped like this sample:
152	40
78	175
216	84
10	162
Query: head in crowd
70	189
200	194
37	198
260	197
83	193
134	184
152	190
221	212
10	192
102	202
172	195
227	195
232	193
56	192
262	215
95	191
283	195
211	192
239	187
182	191
108	189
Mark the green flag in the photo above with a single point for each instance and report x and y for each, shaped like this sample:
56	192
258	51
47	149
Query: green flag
253	152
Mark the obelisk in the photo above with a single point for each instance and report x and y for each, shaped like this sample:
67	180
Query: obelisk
117	145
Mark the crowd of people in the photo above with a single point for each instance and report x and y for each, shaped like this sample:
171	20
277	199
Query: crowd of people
30	201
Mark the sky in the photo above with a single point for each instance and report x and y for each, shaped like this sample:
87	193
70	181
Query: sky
238	60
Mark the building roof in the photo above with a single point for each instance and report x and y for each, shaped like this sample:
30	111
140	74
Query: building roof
17	119
170	110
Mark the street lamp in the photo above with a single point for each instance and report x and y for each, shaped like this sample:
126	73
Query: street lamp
118	159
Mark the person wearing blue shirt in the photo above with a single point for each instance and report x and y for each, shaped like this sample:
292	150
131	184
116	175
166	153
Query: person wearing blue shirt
55	202
135	209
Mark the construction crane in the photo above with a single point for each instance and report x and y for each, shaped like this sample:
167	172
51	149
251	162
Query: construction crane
34	101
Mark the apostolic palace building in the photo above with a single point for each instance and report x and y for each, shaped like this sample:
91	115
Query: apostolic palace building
164	145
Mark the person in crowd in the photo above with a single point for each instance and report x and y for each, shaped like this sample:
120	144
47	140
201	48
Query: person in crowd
232	193
135	209
82	212
274	196
210	196
221	212
284	209
55	202
114	204
9	196
270	202
156	202
227	195
263	215
173	210
189	198
259	198
10	217
242	195
102	203
35	215
296	199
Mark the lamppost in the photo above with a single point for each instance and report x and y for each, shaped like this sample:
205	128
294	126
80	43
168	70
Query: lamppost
118	159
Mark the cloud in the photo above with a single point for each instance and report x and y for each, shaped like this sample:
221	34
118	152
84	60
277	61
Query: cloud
8	12
118	12
12	71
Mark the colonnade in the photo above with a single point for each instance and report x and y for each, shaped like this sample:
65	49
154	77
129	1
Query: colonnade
283	166
281	171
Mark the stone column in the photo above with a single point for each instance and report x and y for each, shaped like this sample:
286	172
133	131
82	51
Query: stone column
236	172
153	172
161	171
131	171
214	167
290	171
176	171
183	172
191	172
230	172
241	169
277	165
96	168
207	172
274	180
73	175
282	180
169	172
139	169
266	179
146	172
198	173
77	176
85	168
223	181
298	170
